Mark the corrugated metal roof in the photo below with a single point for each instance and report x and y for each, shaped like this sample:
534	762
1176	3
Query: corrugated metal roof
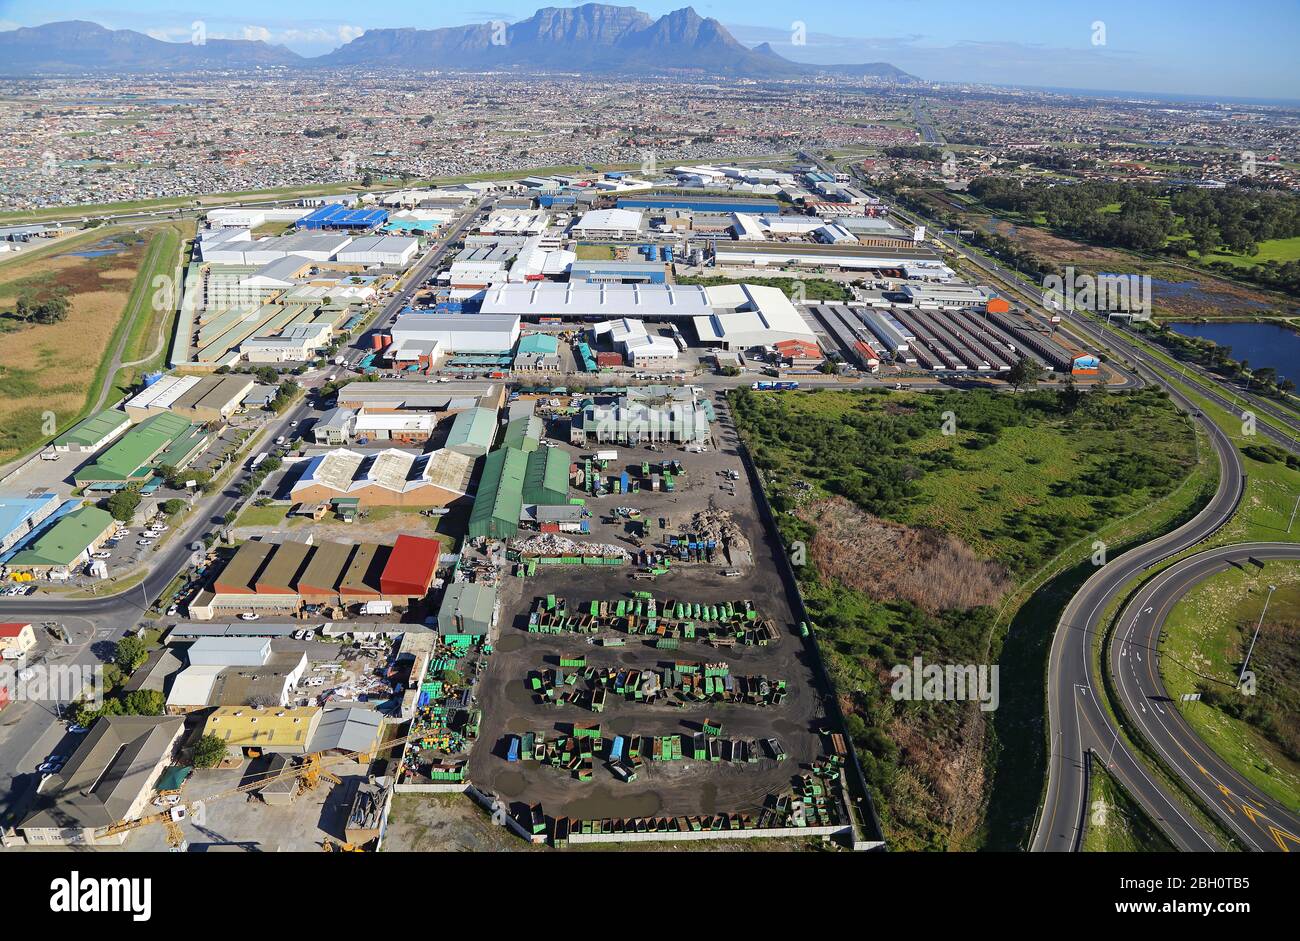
325	568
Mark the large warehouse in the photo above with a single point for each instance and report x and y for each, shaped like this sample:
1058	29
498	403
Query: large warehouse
853	256
456	333
391	250
609	224
268	578
513	479
388	478
198	398
163	438
594	300
398	395
748	315
642	415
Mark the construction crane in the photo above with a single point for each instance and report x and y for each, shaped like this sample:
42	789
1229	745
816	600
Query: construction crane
309	774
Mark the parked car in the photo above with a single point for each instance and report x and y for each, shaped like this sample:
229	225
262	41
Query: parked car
102	555
250	616
75	729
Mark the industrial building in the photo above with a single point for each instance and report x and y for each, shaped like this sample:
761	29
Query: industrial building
271	731
524	429
20	516
197	398
746	315
619	272
453	333
784	254
91	434
397	395
642	416
110	777
393	251
163	438
235	672
468	608
16	638
600	301
538	352
330	574
697	203
472	432
386	478
334	216
66	545
618	224
638	346
511	480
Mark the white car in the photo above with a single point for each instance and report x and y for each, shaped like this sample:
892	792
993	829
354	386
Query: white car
144	542
102	555
249	616
158	528
171	612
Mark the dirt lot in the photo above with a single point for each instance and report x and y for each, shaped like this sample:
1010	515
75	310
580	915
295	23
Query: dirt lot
683	787
251	824
452	823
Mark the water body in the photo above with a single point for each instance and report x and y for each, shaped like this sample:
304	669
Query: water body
1260	344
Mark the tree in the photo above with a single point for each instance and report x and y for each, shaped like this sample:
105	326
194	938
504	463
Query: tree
1025	373
123	504
143	702
130	653
173	506
209	751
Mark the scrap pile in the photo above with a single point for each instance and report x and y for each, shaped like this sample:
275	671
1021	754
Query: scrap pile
816	801
446	720
720	623
625	755
707	531
686	681
554	549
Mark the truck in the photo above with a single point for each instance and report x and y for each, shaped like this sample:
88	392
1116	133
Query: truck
259	459
607	455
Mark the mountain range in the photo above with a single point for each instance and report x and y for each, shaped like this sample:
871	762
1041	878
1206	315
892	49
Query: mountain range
593	38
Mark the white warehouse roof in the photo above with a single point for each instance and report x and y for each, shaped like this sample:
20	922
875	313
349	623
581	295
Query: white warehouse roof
589	299
749	315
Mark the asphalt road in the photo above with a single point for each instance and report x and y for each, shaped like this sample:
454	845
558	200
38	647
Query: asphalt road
1258	820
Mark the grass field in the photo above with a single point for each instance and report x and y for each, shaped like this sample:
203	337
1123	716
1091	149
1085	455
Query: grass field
1205	640
1116	824
1025	484
61	367
594	252
1278	250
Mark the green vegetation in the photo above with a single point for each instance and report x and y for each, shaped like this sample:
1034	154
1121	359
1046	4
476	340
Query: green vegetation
816	289
1018	481
122	504
129	653
1116	824
208	752
1205	641
1186	222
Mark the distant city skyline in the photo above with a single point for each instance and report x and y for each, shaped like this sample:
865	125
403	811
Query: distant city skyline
1193	47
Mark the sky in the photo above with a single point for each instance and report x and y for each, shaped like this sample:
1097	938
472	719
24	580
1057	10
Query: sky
1246	48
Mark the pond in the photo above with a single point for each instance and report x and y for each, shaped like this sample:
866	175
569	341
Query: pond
1260	344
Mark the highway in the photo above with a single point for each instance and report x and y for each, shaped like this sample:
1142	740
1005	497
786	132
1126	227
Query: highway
1078	720
1133	657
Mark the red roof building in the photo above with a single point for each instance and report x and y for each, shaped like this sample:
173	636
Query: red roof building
410	567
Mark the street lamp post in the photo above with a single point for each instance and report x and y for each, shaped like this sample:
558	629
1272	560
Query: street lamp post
1258	625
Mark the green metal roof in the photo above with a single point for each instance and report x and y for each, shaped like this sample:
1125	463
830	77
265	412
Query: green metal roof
92	430
500	496
63	542
524	433
546	479
539	344
128	456
475	427
474	603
